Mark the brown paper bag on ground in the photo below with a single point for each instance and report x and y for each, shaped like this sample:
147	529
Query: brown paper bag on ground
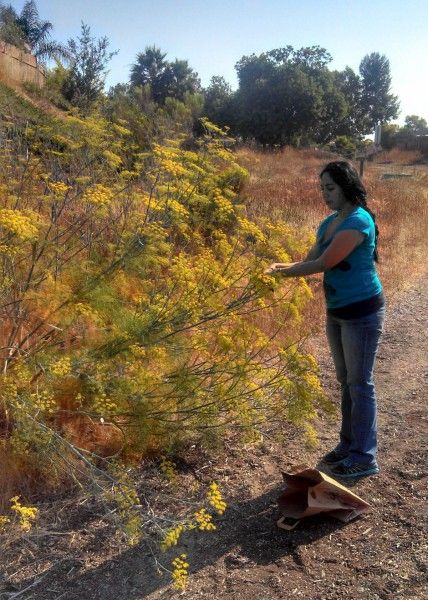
310	492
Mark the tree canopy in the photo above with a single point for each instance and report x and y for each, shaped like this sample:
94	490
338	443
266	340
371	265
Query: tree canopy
165	79
290	96
416	125
378	104
89	59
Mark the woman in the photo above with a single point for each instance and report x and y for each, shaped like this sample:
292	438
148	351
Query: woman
345	251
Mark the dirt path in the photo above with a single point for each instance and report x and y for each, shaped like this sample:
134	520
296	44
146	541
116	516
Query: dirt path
382	555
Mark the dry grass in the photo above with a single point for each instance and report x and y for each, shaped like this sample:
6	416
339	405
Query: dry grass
284	185
397	156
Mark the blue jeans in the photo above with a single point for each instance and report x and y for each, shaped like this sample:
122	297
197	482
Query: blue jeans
353	344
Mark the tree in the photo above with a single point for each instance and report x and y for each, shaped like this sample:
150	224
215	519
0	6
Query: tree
332	109
27	30
282	95
416	125
164	78
10	32
350	85
180	79
149	69
389	135
378	104
311	58
219	102
89	59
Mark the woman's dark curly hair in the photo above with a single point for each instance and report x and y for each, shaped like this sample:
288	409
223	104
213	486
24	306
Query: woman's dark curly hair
346	177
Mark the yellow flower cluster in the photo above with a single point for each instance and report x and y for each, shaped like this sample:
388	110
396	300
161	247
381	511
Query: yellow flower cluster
170	160
17	223
61	366
7	250
190	156
312	381
225	341
172	536
215	498
221	242
126	174
58	188
253	233
128	503
87	311
204	520
173	168
263	284
158	353
180	571
132	528
162	152
3	521
177	209
8	389
26	514
211	127
113	159
44	401
168	468
223	205
121	130
137	351
173	207
19	443
223	153
103	405
98	195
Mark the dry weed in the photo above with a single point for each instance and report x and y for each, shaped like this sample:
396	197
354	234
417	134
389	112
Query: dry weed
398	156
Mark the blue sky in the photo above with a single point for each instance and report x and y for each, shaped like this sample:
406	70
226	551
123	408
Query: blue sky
214	35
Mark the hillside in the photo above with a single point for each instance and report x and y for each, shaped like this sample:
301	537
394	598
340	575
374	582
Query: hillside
18	105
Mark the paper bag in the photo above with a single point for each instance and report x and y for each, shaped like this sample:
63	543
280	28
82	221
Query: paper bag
309	492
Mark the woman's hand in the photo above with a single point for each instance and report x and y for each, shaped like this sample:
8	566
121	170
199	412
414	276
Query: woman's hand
275	268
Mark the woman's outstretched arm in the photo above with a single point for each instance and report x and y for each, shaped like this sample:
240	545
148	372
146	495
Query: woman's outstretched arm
340	247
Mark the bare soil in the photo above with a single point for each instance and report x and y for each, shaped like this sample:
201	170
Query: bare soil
77	554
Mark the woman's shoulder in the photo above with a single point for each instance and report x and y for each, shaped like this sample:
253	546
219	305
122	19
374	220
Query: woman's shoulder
327	220
358	219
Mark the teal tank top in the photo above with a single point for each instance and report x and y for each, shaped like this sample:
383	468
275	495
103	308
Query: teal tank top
354	278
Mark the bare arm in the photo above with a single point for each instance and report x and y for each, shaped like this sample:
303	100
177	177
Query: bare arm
340	247
313	253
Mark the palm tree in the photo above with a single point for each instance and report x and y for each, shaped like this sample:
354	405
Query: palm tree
164	78
180	79
27	30
149	69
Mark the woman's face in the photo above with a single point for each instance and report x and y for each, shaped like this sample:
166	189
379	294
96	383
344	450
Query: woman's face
332	193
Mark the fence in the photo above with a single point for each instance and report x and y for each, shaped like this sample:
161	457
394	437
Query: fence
18	66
